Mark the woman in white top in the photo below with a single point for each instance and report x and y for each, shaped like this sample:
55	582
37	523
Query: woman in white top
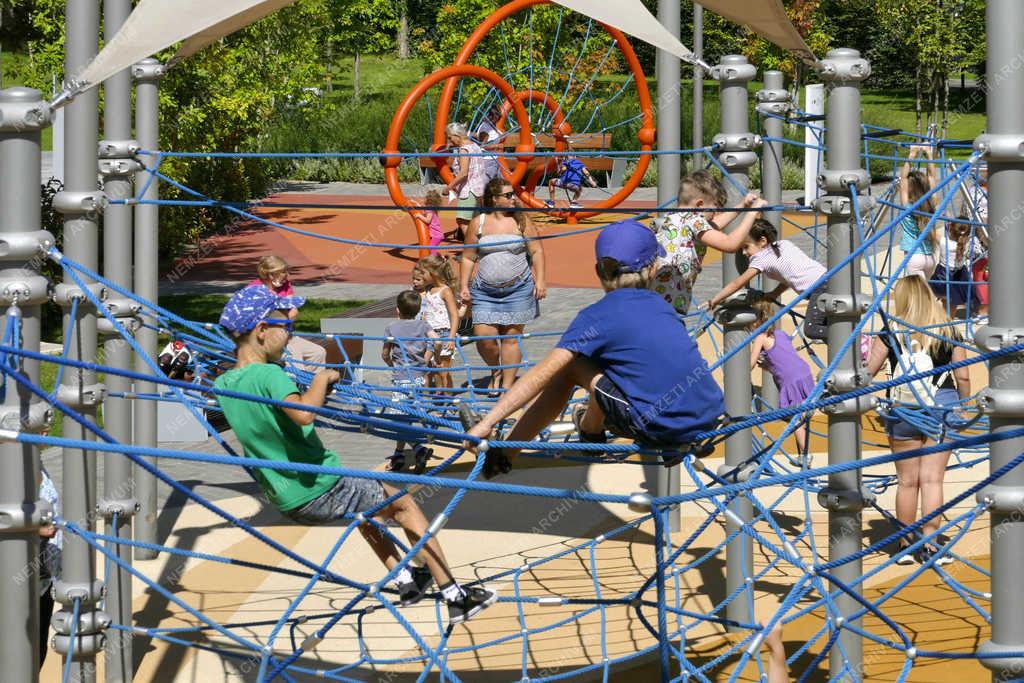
505	261
783	261
470	174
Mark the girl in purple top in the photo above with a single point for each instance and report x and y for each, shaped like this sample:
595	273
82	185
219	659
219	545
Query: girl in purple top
773	350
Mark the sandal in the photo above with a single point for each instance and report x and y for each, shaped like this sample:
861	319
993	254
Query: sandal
495	460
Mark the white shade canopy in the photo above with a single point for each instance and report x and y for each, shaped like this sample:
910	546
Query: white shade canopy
155	25
632	18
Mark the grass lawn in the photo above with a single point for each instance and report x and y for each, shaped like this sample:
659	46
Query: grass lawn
379	75
207	308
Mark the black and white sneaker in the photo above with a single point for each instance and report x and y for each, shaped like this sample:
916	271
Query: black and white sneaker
423	455
413	592
396	463
473	601
906	558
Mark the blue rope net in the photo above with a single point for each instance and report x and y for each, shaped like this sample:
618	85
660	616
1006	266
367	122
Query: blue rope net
667	614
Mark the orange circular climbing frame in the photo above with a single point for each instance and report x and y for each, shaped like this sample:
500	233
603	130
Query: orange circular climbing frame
391	157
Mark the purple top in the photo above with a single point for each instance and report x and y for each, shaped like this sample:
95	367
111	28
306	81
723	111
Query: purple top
783	362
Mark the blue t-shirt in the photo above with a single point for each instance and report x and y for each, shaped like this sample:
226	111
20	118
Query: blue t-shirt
637	340
573	172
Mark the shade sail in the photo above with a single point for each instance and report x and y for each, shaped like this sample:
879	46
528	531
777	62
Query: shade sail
155	25
766	18
229	26
632	18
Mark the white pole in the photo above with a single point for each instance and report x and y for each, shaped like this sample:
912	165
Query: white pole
814	104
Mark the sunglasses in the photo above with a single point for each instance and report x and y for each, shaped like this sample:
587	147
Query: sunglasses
511	194
280	322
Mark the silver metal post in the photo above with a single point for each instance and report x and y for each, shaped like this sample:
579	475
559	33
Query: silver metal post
81	204
23	115
773	101
843	70
1002	147
698	76
735	146
669	71
117	507
147	75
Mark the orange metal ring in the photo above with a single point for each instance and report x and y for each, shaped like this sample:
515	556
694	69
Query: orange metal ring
646	135
404	109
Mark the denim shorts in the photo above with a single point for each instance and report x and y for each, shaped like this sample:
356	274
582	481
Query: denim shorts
901	430
348	496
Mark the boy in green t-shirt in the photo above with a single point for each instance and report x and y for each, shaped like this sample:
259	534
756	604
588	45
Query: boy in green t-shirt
258	321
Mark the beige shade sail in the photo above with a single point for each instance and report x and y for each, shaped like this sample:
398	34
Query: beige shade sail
766	18
228	26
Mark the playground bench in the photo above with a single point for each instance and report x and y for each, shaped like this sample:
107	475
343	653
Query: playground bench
615	167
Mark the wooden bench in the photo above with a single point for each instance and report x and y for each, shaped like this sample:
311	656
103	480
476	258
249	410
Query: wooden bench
615	167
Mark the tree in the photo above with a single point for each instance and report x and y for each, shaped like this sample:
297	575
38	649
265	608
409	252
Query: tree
221	99
360	27
813	26
941	39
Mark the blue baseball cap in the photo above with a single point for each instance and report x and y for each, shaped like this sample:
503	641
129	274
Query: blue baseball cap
630	243
250	306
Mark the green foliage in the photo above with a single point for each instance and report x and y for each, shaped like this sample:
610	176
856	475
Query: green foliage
809	18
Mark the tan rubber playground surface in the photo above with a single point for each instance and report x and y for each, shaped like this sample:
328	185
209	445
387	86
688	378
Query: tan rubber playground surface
491	533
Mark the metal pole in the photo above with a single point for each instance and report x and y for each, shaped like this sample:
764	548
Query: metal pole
773	101
698	76
669	70
1002	147
735	146
23	115
81	204
843	70
147	75
118	506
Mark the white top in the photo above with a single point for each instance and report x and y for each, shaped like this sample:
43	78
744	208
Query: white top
434	312
487	133
476	179
973	250
792	267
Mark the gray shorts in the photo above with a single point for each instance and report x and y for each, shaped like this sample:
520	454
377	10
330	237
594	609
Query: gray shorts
347	497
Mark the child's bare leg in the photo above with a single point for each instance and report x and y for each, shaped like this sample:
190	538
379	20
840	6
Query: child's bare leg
410	517
576	192
551	189
551	401
801	438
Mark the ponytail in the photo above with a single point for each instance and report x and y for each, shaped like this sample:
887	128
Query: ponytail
763	230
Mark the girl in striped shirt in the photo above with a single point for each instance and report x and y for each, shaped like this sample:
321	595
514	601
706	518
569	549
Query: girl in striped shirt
783	261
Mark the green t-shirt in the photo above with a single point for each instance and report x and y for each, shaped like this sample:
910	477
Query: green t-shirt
267	433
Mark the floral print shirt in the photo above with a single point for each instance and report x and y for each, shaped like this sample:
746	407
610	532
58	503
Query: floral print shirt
678	233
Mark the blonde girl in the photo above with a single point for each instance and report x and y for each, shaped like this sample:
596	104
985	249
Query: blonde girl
916	308
439	310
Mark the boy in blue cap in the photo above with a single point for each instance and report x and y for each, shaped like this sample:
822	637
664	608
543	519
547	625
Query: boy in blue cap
258	320
646	378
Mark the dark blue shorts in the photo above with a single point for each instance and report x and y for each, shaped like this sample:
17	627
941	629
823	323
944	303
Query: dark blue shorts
618	411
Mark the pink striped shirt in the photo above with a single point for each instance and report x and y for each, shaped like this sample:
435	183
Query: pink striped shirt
792	267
